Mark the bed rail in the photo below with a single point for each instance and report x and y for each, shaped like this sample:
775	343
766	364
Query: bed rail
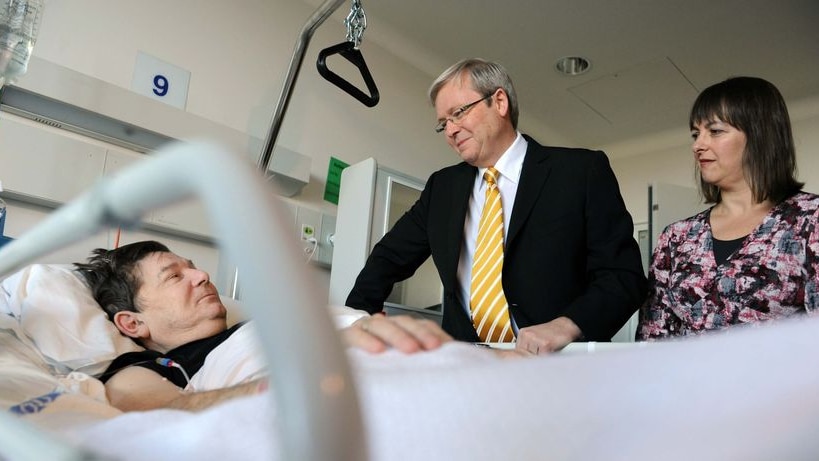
312	385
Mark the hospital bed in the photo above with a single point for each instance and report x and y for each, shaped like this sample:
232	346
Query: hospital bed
748	394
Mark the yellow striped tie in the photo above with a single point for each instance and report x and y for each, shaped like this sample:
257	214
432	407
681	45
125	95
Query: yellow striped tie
490	313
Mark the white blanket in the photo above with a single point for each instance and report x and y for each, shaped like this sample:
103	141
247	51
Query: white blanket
748	394
239	358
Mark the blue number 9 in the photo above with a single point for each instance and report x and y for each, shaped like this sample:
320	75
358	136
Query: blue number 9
160	85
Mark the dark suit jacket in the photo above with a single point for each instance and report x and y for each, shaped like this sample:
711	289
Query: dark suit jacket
569	251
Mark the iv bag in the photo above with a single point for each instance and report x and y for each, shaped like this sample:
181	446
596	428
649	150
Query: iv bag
19	24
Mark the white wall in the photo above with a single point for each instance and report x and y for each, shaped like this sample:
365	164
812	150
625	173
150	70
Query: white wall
238	51
806	132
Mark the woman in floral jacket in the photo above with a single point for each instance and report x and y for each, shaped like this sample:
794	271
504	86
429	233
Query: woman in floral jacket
753	255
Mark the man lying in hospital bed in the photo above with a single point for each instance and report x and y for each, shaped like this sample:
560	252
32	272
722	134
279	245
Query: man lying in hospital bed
167	305
178	324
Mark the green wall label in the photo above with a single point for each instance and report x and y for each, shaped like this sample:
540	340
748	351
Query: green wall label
333	184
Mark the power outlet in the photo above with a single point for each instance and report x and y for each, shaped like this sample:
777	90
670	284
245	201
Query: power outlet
307	231
308	224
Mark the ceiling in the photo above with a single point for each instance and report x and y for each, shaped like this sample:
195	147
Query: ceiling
649	58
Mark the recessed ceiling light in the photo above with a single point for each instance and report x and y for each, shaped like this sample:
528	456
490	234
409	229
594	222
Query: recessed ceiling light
572	65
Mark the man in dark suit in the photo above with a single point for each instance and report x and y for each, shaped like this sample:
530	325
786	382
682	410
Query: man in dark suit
571	269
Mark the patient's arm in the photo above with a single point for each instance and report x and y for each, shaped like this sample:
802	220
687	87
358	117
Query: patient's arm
137	389
377	333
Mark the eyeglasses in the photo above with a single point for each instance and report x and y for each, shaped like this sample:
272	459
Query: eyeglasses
459	114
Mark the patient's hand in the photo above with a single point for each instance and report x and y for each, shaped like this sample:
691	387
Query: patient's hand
377	333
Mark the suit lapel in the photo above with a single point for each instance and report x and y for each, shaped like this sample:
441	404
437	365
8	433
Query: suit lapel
536	167
460	189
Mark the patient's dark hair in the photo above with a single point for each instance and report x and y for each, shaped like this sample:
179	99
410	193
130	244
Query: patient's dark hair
112	275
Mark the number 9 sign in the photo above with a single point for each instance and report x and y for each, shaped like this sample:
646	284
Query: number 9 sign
160	85
160	80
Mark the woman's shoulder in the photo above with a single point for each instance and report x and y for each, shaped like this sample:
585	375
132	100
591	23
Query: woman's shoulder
805	197
685	230
802	203
691	222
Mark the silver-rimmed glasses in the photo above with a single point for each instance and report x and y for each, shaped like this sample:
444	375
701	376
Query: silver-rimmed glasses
458	114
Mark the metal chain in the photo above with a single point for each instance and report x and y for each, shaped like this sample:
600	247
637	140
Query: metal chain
356	22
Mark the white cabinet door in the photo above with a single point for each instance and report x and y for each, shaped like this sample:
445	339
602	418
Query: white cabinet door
45	163
670	203
188	218
49	166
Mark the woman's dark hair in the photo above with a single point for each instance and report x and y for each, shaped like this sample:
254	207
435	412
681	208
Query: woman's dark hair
112	275
755	107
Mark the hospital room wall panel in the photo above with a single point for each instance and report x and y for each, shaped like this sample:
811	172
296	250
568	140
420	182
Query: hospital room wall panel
41	162
43	167
23	216
806	137
188	218
49	165
634	174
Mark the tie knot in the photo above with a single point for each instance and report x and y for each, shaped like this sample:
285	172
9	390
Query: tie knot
491	175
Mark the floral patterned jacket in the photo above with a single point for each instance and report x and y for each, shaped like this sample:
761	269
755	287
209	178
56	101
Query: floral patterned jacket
774	273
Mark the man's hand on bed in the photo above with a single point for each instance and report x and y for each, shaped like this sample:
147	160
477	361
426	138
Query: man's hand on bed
378	333
548	337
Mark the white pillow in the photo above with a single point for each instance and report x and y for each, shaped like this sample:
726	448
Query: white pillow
55	309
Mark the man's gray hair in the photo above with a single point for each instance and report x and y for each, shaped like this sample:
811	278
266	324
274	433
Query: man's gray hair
486	77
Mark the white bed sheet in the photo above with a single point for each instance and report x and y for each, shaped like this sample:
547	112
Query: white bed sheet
746	395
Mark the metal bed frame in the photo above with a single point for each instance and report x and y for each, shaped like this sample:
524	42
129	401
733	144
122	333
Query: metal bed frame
312	384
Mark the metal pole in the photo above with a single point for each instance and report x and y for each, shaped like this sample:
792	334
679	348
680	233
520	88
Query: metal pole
318	17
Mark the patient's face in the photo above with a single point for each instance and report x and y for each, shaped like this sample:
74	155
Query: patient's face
177	301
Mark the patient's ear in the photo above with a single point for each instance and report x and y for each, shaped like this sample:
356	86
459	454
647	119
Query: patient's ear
129	324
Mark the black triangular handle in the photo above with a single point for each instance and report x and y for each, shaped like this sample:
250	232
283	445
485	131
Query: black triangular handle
348	51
